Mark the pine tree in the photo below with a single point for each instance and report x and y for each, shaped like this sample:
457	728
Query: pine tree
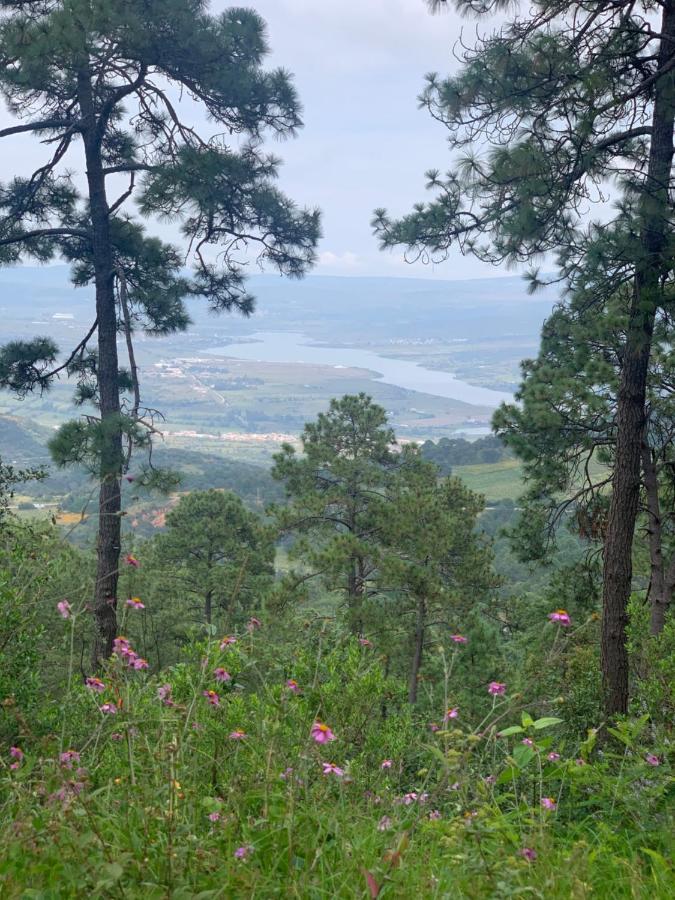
562	101
112	89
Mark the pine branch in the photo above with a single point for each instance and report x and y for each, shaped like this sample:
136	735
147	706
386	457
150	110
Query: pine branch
44	233
45	125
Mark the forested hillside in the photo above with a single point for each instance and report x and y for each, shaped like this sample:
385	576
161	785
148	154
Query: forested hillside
256	639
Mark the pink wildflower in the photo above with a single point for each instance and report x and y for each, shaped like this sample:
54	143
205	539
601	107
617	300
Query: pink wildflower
287	773
68	757
135	603
131	560
238	735
212	697
64	608
459	639
121	645
253	623
580	762
652	759
384	824
560	617
528	742
17	755
553	756
386	764
139	663
496	688
451	713
243	852
214	817
116	736
221	674
434	815
108	709
95	684
490	779
293	686
548	803
528	853
227	641
365	642
330	768
410	797
321	733
164	694
434	727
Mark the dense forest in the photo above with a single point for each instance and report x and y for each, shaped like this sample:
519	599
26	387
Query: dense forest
349	673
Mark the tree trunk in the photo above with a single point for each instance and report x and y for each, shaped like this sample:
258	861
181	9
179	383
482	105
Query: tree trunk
110	501
418	651
657	585
208	607
650	267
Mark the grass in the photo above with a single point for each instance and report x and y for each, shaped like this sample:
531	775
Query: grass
496	481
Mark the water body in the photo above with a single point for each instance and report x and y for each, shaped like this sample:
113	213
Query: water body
289	347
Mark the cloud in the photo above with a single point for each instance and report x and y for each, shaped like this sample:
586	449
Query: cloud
340	261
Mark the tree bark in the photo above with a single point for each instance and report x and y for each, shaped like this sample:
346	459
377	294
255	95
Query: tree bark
658	600
110	501
650	268
418	651
208	607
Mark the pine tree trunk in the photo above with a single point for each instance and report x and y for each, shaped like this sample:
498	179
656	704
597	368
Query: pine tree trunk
632	389
110	501
208	607
657	586
418	651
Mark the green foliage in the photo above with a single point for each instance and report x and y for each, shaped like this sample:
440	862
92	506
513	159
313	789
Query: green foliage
449	452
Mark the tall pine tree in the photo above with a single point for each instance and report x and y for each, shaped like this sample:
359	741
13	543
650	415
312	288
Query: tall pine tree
113	90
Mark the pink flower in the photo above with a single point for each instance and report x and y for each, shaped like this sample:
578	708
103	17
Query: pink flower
560	617
64	608
214	817
548	803
238	735
17	755
135	603
321	733
221	674
293	686
68	758
243	852
331	769
227	641
131	560
121	645
434	815
286	774
95	684
652	759
386	764
108	709
116	736
553	756
490	779
528	742
212	697
409	798
365	642
451	713
253	623
434	727
139	663
384	824
580	762
459	639
164	693
496	688
528	853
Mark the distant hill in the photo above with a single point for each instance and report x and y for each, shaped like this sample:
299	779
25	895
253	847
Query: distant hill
22	442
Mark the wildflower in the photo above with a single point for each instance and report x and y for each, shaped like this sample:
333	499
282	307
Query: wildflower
451	713
286	774
384	824
496	688
386	764
528	853
553	756
214	817
17	755
227	641
109	709
164	694
580	762
121	646
528	742
434	727
131	560
321	733
135	603
253	623
424	796
293	686
490	779
560	617
410	797
652	759
138	663
548	803
68	757
243	852
238	735
332	769
365	642
212	697
221	674
434	815
116	736
459	639
64	608
95	684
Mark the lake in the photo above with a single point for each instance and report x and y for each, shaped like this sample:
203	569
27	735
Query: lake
289	347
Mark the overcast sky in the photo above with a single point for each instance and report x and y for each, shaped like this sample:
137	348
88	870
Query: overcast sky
359	66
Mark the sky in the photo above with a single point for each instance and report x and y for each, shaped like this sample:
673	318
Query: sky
359	67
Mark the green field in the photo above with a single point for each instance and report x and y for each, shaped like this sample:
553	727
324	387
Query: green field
496	481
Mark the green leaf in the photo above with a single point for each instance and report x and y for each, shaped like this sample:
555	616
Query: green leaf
527	720
546	722
523	755
512	729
